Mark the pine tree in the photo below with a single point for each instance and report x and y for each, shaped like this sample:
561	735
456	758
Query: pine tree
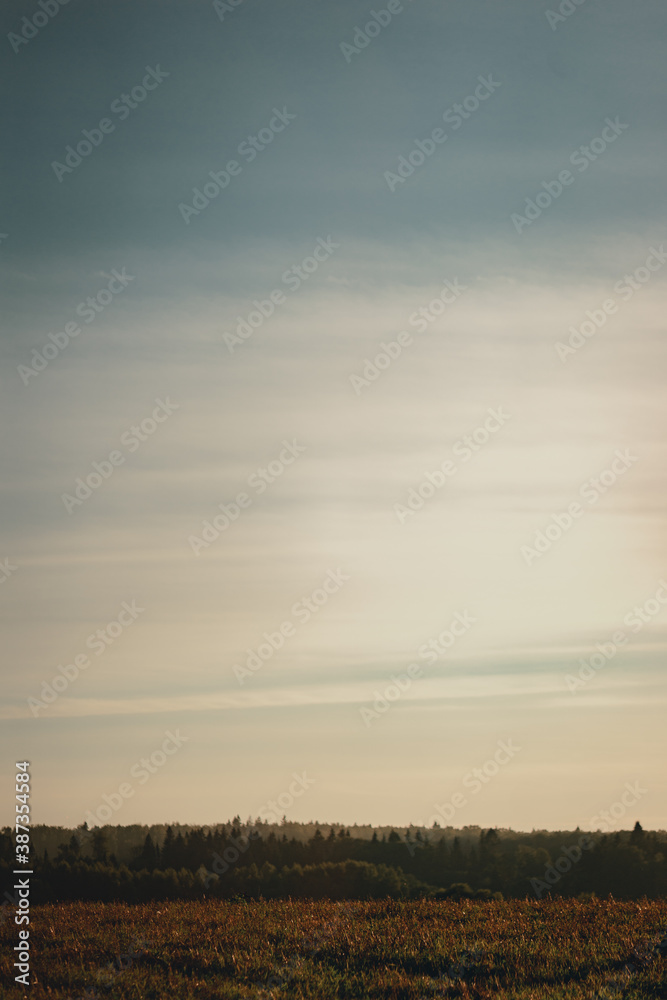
167	852
637	835
148	858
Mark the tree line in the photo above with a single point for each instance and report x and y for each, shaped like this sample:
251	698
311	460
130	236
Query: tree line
252	861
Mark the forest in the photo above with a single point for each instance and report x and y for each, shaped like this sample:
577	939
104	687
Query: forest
313	861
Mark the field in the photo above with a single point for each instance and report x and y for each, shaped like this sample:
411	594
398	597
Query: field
320	950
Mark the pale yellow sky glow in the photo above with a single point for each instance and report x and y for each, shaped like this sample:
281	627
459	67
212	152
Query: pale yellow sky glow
268	455
341	507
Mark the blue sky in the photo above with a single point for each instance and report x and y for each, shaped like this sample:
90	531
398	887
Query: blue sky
158	350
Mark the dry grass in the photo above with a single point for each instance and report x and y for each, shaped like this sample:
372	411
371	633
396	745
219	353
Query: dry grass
517	949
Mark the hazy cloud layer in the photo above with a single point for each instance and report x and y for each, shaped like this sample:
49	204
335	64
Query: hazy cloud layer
556	322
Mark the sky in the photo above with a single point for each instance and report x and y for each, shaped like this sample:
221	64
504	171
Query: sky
350	463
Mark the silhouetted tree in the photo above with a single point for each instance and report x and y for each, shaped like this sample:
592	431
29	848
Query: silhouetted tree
637	835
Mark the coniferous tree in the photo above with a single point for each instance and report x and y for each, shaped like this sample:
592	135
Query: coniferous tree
637	835
149	856
167	852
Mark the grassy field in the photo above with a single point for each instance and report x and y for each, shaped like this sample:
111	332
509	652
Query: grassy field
205	950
